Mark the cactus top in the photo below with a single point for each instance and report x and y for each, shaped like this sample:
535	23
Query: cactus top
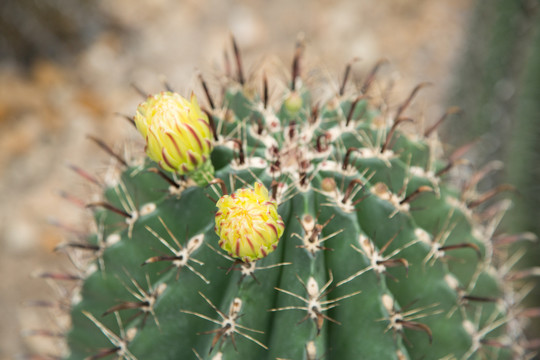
177	132
248	224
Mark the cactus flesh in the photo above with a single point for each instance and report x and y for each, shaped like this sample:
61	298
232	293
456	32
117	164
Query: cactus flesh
335	235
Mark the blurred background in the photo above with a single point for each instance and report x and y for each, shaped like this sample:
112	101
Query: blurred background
67	66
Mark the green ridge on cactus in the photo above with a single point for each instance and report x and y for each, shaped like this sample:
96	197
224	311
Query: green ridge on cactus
380	257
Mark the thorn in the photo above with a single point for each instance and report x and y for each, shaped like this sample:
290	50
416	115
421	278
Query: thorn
353	107
390	134
413	325
295	73
143	94
128	118
82	246
450	111
347	157
167	86
42	332
221	185
522	274
323	145
371	76
265	91
207	92
107	149
85	175
72	199
241	155
128	305
346	75
506	239
59	276
407	102
350	188
110	208
462	246
490	194
164	176
314	114
238	59
415	194
479	298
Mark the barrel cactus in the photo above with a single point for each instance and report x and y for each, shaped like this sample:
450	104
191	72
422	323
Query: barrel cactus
304	227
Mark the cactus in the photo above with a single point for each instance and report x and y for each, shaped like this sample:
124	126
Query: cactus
301	228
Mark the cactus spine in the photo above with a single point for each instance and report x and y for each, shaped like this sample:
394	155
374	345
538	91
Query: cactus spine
374	255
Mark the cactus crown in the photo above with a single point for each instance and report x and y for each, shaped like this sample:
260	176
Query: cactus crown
378	257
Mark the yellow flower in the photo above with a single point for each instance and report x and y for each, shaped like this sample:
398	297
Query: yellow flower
177	132
248	224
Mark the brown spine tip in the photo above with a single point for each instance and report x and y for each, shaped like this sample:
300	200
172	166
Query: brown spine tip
107	149
450	111
238	59
207	92
346	75
109	207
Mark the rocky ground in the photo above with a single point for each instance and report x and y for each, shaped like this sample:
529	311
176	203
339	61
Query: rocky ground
47	111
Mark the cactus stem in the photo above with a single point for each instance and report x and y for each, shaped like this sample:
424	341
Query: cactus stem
238	59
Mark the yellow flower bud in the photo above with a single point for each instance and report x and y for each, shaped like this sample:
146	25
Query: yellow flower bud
177	132
248	224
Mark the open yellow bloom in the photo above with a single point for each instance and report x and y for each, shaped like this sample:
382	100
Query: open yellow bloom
248	224
177	132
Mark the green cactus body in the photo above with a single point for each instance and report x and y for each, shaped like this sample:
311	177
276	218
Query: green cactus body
379	259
